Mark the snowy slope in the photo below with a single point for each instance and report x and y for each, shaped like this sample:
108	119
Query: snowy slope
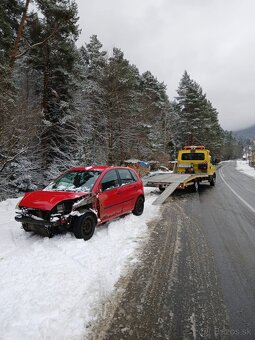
244	167
54	288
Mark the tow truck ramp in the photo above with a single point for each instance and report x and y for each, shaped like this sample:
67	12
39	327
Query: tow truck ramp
166	193
170	182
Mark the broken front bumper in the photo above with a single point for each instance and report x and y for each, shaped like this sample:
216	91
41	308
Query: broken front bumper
42	227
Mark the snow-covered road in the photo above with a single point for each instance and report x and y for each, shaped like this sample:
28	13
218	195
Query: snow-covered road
54	288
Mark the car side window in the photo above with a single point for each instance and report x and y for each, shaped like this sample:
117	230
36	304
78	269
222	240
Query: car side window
134	175
125	176
110	180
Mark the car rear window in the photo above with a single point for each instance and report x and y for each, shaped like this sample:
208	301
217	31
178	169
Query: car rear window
192	156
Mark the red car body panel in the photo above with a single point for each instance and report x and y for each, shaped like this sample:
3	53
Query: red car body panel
117	202
46	200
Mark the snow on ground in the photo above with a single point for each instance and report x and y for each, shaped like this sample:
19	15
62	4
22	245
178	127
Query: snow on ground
244	167
159	172
54	288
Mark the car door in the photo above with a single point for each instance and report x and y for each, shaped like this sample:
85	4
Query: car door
128	189
110	200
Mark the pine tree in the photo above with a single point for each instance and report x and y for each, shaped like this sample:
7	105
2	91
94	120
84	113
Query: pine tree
90	102
156	116
9	146
198	120
121	86
10	11
231	147
58	30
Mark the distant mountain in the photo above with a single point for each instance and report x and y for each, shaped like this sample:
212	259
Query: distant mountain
248	133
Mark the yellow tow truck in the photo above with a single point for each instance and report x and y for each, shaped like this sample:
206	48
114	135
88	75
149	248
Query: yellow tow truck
198	161
194	165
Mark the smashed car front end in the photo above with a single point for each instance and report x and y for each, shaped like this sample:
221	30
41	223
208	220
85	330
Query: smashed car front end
57	218
46	223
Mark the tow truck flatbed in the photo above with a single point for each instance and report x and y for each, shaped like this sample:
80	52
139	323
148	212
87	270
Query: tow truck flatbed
171	181
194	165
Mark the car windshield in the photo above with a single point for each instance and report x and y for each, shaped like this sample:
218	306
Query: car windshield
74	181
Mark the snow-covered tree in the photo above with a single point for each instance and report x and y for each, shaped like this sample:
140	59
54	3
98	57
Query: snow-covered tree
232	148
156	116
198	120
121	86
90	69
57	29
10	148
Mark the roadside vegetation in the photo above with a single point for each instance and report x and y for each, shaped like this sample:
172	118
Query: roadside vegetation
61	105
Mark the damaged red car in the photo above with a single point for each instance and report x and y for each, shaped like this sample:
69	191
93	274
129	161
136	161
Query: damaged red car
80	199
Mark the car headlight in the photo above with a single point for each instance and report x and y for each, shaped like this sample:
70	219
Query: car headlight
60	208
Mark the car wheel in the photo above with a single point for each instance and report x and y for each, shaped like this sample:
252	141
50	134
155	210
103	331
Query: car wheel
139	206
84	226
25	226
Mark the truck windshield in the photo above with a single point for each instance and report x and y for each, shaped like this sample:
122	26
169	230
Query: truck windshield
74	181
192	156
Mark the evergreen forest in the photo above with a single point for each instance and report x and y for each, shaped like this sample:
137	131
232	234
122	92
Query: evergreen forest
63	105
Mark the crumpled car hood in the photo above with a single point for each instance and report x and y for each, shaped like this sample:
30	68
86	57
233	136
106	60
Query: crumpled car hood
46	200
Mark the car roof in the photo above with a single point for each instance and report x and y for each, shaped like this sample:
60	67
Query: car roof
96	167
93	168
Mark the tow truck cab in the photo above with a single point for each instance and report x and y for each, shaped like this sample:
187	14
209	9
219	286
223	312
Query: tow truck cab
195	160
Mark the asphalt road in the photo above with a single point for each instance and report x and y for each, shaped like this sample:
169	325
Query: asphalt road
196	278
229	220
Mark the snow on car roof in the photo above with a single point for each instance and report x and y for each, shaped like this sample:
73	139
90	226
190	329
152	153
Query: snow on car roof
96	167
92	168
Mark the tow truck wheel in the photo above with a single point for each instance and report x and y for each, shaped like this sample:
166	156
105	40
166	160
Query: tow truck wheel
84	226
212	181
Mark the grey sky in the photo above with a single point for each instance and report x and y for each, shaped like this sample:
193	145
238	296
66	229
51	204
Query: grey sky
214	40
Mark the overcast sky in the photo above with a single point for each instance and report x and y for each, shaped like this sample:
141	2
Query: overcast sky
214	40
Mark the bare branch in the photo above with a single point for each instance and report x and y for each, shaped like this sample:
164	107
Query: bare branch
39	43
9	160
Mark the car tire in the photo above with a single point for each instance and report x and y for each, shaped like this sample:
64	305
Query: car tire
26	227
139	206
84	226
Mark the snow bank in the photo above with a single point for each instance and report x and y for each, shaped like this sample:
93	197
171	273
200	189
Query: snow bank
54	288
244	167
